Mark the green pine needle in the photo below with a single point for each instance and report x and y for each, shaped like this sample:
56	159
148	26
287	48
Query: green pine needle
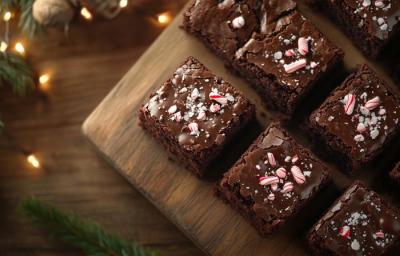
27	23
83	234
15	71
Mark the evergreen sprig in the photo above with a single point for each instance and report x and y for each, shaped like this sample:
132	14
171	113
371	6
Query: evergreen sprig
83	234
26	23
15	71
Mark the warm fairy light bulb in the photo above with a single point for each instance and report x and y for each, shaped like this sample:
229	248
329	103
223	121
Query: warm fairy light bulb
123	3
33	161
164	18
44	79
19	47
86	14
7	16
3	46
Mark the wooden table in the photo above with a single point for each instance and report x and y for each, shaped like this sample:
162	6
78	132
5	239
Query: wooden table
83	69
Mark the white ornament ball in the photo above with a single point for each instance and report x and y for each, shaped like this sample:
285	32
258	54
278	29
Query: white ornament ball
52	12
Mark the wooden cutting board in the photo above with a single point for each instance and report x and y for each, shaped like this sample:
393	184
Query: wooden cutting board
184	199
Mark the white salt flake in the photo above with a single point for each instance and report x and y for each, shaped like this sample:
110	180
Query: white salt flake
359	138
238	22
278	55
172	109
355	245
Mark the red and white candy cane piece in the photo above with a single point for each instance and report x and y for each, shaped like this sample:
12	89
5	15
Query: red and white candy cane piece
218	98
281	172
380	234
274	187
271	197
295	158
303	45
194	128
269	180
287	187
215	108
271	159
290	53
344	231
177	116
201	116
298	174
294	66
350	103
372	103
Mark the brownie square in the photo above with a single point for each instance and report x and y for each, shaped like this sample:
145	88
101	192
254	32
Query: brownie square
224	26
371	24
273	180
285	66
360	222
358	120
395	173
194	114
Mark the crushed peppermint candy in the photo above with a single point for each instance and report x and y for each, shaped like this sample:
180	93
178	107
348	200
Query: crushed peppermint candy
345	232
218	98
294	66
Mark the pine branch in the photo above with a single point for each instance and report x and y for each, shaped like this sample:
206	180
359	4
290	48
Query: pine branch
16	72
83	234
27	23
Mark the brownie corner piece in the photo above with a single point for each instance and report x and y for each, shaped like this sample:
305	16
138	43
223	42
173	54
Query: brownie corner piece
222	25
395	173
358	120
371	24
194	114
273	180
285	66
360	222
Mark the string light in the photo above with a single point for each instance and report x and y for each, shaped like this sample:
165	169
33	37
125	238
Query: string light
33	161
19	47
7	16
44	79
164	18
86	14
123	3
3	46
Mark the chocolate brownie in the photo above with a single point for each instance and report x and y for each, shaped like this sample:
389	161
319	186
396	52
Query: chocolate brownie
360	222
358	120
395	173
194	114
273	180
285	66
224	26
396	73
371	24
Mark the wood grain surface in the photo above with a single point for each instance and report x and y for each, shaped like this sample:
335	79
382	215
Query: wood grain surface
184	199
84	68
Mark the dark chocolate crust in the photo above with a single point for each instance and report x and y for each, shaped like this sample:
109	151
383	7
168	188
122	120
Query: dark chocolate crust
276	155
263	61
395	173
360	222
371	27
354	139
194	114
212	21
267	27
